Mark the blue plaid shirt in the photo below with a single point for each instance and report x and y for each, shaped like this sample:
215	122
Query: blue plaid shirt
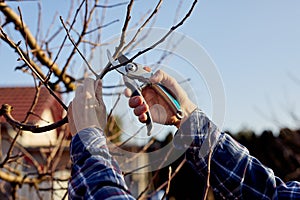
234	174
95	174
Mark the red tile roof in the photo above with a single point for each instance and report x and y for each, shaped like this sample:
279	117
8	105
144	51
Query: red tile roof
21	99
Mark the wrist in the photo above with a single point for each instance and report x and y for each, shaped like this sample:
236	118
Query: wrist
83	130
187	111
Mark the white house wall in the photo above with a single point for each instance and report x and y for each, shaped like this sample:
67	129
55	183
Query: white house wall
29	139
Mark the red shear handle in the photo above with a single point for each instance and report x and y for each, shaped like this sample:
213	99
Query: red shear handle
137	92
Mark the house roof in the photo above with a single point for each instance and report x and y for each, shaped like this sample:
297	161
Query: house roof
21	98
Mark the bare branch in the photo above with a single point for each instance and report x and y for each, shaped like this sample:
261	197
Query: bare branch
39	21
21	179
75	46
22	27
133	135
173	28
143	25
5	38
103	26
208	169
124	29
170	178
111	6
142	194
46	84
29	156
39	53
145	148
5	111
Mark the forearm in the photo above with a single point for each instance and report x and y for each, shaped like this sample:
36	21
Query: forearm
94	173
233	172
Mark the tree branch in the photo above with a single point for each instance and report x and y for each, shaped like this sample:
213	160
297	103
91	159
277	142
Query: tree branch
173	28
111	6
143	25
27	62
38	52
21	179
6	110
75	46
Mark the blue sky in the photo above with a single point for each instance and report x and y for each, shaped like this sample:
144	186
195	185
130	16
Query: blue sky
254	44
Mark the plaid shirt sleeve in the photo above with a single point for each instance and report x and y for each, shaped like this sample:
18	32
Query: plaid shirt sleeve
95	174
234	174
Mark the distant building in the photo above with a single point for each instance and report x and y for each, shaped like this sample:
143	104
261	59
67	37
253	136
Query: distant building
35	148
41	146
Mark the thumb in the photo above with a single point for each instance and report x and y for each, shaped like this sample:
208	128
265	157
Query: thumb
163	78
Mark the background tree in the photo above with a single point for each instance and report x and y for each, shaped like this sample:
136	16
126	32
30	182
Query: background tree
53	53
58	50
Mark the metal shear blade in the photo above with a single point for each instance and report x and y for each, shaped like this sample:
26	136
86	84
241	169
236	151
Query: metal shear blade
131	72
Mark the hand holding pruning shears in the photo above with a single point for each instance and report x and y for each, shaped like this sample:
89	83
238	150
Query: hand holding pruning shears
153	97
158	91
159	98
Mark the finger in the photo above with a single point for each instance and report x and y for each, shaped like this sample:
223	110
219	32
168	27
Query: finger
141	109
98	90
148	69
162	77
157	76
69	111
78	91
89	88
71	120
135	101
127	92
143	118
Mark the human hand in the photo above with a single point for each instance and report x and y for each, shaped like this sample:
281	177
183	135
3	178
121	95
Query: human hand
87	108
160	110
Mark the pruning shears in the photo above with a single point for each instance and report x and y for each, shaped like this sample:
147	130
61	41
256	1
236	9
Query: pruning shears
133	72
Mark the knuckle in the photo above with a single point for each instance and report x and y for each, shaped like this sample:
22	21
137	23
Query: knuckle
135	102
140	109
137	111
143	118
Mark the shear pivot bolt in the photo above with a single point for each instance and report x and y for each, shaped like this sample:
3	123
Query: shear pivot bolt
131	67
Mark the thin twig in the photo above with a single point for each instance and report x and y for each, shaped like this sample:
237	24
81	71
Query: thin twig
173	28
75	46
122	39
133	135
169	183
124	29
39	22
28	155
111	6
23	27
142	194
33	69
39	53
33	104
208	169
102	26
143	25
173	175
114	106
144	149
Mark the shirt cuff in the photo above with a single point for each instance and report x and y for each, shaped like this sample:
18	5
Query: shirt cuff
198	131
87	141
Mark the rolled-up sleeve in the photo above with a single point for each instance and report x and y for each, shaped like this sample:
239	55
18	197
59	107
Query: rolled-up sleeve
234	173
95	174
